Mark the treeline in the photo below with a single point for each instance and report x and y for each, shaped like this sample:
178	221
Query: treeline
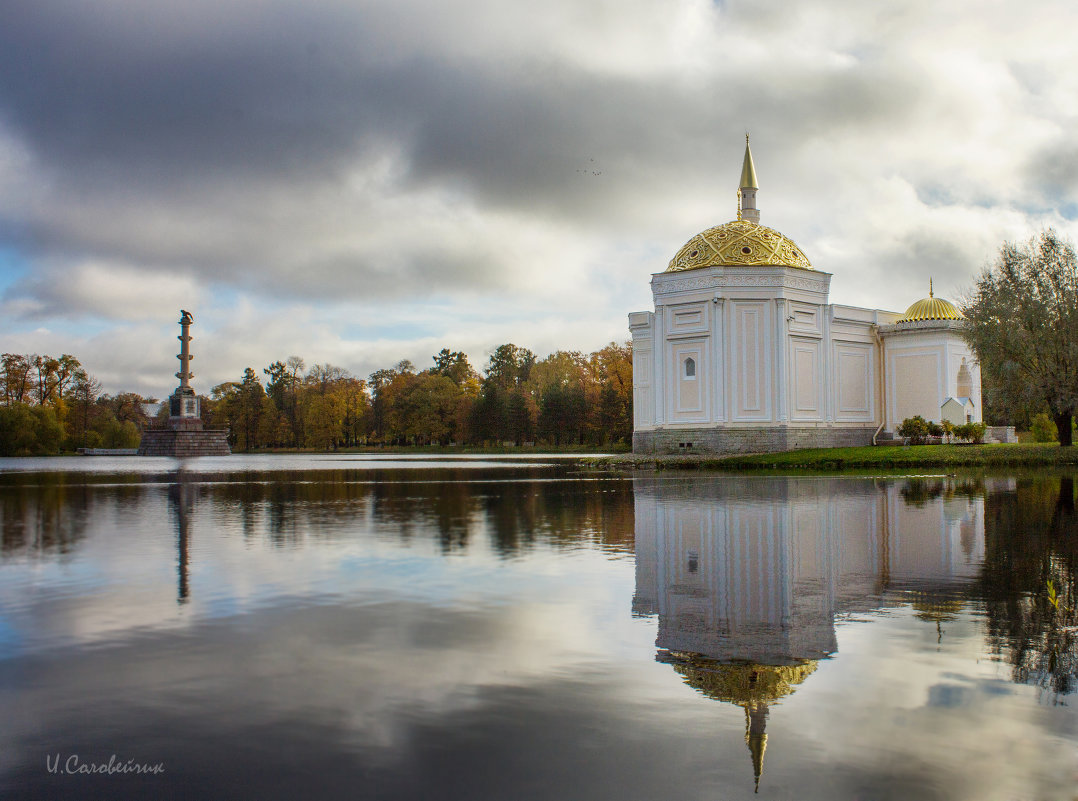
49	404
566	398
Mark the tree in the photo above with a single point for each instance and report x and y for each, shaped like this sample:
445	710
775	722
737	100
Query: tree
562	385
613	368
454	366
17	371
1023	326
510	366
249	400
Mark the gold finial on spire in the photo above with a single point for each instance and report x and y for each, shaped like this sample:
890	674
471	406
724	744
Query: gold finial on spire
739	205
748	169
930	288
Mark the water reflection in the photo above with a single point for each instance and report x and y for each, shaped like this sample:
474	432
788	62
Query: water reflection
52	520
466	633
1032	539
515	507
181	500
747	576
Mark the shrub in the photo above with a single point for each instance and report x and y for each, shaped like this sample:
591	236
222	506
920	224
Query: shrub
17	436
971	432
47	430
915	429
1043	429
120	435
935	429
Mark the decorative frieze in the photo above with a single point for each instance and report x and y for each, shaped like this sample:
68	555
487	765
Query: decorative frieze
663	285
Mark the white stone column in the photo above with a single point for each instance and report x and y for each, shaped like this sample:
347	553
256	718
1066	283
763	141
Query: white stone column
781	351
658	345
826	313
718	381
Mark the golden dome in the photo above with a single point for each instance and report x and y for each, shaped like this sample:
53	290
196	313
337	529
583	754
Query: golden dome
740	243
931	308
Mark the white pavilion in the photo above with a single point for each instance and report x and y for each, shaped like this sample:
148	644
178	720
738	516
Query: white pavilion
744	352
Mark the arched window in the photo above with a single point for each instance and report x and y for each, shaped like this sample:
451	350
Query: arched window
690	368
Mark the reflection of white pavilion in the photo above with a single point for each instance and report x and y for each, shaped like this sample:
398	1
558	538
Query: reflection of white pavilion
746	575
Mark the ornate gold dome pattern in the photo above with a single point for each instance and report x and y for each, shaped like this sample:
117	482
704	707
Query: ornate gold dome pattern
931	308
740	682
740	243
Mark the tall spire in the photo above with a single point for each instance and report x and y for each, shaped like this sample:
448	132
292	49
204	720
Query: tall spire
748	187
756	738
748	169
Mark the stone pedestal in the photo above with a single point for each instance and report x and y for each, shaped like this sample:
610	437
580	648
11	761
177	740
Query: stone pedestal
184	444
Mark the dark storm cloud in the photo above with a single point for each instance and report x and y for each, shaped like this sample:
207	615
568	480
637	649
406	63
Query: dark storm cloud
363	151
149	93
122	101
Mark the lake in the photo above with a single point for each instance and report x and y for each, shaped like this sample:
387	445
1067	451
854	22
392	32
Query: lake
490	628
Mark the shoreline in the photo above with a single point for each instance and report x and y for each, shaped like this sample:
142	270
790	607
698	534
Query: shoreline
879	458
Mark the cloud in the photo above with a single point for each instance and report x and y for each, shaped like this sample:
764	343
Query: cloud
399	157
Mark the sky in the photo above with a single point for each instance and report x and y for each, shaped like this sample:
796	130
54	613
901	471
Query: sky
358	182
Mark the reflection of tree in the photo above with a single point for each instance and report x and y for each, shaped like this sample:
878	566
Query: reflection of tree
919	491
515	509
43	512
1031	539
563	514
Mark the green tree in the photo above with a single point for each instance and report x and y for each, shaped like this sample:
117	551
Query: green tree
562	385
17	430
454	365
509	366
47	430
426	409
1023	325
249	408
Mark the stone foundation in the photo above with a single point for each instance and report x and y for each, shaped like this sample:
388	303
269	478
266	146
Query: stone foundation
746	440
1000	434
184	444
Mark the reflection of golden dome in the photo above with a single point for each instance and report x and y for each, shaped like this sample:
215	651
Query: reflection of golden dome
931	308
739	244
747	684
743	683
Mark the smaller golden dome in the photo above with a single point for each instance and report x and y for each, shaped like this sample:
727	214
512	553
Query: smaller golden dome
931	308
740	243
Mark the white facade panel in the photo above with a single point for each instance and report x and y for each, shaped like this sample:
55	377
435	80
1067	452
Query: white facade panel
855	380
689	362
751	343
805	383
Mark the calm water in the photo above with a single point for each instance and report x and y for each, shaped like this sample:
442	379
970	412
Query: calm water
286	627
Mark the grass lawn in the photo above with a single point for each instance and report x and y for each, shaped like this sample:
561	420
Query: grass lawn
1030	455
